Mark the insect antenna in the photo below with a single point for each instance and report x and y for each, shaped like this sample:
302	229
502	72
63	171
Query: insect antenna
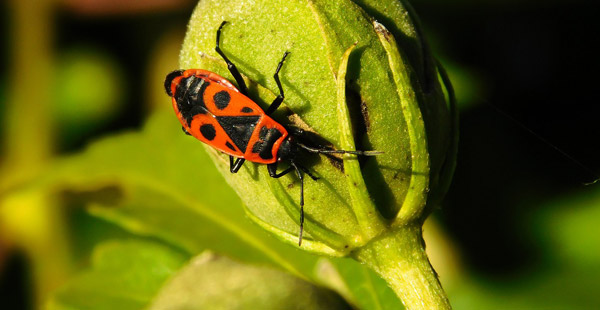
332	151
592	173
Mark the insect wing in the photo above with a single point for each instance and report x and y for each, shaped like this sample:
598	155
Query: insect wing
230	118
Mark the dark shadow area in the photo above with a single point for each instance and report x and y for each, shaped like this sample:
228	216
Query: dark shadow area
539	64
15	282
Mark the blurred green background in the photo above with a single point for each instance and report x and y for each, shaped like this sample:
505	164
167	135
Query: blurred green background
519	229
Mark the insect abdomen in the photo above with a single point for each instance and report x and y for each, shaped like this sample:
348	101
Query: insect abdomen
265	141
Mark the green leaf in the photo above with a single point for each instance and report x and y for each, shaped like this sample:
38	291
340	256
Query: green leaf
214	282
369	220
165	186
174	193
414	201
392	108
124	275
359	285
316	33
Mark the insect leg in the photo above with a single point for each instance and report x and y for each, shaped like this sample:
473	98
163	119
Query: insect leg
232	68
299	173
277	102
185	131
235	167
272	168
273	173
312	176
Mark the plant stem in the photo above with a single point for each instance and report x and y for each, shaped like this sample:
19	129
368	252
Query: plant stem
27	218
400	258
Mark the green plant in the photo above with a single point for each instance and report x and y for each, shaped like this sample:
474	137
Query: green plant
156	201
387	98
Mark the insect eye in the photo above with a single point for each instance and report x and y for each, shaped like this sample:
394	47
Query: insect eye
169	79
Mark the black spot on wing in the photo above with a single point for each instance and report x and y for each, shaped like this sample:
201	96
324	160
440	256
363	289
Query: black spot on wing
246	110
231	147
208	131
222	99
239	128
264	146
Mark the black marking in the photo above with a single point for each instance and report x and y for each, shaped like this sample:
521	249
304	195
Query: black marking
246	110
169	80
231	147
239	128
185	131
264	146
189	96
208	131
222	99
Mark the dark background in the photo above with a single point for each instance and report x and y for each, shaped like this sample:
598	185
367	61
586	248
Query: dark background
536	66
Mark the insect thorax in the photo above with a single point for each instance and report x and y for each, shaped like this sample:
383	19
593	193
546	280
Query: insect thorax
189	96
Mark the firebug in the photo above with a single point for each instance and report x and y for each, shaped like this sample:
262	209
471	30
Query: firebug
214	111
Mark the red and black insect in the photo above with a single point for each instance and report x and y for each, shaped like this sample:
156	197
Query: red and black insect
215	112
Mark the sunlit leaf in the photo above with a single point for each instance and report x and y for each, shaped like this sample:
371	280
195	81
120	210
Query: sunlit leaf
360	285
213	282
164	185
124	275
160	183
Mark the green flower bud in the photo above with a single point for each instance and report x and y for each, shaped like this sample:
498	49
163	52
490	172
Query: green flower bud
351	81
359	76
